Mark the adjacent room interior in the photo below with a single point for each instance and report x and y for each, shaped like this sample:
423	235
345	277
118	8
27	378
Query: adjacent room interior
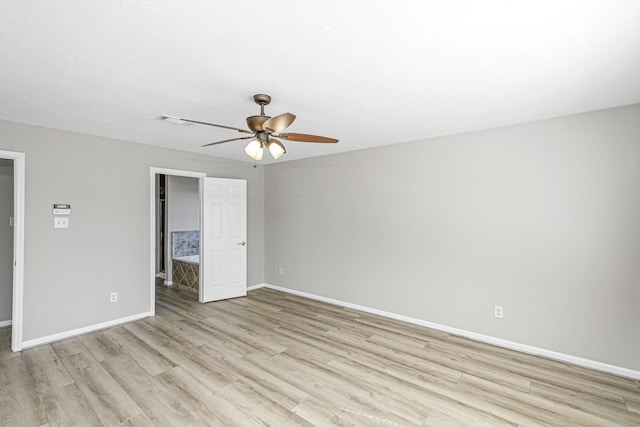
6	241
453	240
178	213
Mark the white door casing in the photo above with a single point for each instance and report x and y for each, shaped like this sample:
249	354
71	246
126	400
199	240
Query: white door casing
223	239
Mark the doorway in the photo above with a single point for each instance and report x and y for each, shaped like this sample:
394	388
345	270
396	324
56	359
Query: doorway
223	226
161	226
6	241
155	205
178	249
17	162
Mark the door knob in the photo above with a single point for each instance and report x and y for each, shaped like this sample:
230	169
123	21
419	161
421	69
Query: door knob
242	243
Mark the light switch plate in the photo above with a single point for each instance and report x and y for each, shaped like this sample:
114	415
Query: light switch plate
60	222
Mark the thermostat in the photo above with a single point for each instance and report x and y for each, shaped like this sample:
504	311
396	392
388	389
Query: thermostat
61	209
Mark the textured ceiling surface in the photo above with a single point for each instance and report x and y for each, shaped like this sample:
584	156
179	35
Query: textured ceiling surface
369	73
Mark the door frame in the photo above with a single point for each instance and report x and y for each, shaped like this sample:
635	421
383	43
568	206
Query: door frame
18	245
153	171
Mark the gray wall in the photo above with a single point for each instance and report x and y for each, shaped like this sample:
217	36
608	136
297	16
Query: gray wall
69	273
542	218
6	241
183	203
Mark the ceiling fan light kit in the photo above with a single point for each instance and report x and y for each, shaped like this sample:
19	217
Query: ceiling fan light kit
254	149
276	148
264	129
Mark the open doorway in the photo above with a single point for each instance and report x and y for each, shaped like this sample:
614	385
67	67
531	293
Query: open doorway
12	243
178	230
175	208
161	227
6	245
222	210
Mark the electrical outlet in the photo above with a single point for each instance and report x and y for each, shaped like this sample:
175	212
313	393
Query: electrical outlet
60	222
498	312
113	297
281	271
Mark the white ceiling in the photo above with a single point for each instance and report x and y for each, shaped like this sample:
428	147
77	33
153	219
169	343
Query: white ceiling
369	73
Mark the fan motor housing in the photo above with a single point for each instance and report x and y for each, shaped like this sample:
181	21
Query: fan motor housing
255	122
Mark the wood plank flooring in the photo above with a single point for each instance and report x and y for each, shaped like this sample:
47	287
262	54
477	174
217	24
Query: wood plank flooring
281	360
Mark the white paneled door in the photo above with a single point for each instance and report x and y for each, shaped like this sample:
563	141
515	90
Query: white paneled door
223	239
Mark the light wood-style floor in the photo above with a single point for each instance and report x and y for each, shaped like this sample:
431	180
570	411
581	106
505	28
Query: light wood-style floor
281	360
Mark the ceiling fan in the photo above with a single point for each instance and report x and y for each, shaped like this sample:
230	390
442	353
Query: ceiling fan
263	129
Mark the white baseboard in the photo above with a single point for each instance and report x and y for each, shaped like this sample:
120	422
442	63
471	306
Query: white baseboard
161	275
5	323
84	330
523	348
258	286
168	283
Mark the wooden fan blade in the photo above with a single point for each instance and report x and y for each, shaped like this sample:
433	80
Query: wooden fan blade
305	138
227	140
278	123
218	126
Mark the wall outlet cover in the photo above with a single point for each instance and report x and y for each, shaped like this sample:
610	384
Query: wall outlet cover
60	222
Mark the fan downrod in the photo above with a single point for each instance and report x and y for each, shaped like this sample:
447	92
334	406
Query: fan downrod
261	99
255	122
